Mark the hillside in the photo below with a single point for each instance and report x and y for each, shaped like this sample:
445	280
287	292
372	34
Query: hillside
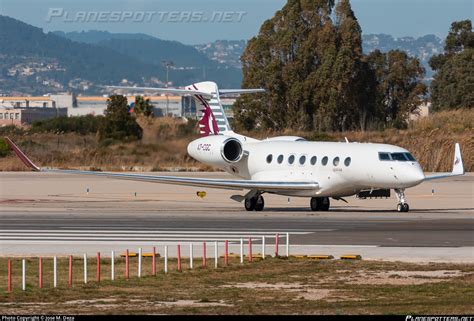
33	62
190	64
164	142
36	62
143	47
422	47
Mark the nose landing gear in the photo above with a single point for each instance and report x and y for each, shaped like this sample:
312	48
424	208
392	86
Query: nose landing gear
319	203
402	205
255	203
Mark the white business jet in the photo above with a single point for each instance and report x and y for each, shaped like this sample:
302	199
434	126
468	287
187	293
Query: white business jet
283	165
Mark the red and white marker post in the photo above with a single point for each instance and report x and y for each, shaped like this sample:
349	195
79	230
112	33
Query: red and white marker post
70	271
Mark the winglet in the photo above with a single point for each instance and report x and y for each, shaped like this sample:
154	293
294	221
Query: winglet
21	155
458	167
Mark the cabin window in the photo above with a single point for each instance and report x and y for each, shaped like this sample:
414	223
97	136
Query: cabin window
347	161
324	161
410	157
313	160
399	157
269	158
291	159
335	161
302	160
280	159
384	156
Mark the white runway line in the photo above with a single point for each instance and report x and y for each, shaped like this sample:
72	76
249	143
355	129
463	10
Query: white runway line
112	236
186	232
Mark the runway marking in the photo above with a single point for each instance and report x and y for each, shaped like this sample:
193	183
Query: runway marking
178	233
113	236
148	242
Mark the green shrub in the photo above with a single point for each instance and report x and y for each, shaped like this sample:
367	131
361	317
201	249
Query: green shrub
76	124
4	148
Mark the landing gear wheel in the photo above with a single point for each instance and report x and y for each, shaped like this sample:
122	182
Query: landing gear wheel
250	203
314	203
325	204
403	207
319	203
406	208
260	203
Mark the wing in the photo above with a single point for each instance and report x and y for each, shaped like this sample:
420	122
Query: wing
174	91
225	92
234	184
458	167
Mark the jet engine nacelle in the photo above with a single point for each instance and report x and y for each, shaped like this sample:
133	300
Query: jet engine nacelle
218	150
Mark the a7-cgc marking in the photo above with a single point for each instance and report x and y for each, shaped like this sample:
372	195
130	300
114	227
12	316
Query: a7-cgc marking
204	147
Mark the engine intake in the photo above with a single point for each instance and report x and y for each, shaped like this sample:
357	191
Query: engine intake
232	150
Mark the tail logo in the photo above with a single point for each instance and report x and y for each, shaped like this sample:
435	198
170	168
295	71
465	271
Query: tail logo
456	161
207	124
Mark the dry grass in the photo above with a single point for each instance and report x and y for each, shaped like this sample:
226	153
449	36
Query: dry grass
264	287
163	146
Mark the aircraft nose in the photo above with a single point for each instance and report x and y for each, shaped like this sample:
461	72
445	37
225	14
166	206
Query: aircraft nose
416	175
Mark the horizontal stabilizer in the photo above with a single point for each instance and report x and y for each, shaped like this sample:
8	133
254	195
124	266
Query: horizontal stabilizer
226	92
174	91
458	166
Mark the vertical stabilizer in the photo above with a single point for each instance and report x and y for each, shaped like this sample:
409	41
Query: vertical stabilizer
213	120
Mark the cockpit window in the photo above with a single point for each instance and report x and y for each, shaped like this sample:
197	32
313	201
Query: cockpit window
399	157
384	156
410	157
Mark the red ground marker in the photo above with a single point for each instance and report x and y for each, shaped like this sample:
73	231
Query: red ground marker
98	266
70	271
277	237
127	263
226	257
153	262
204	255
250	249
179	258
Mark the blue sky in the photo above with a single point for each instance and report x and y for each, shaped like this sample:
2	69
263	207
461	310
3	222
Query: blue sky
396	17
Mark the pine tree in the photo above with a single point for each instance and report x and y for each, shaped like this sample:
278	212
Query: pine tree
453	84
118	123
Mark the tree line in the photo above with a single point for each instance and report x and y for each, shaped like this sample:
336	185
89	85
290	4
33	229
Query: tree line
309	59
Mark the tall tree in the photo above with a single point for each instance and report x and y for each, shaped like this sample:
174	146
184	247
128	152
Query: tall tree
453	84
399	89
283	59
118	123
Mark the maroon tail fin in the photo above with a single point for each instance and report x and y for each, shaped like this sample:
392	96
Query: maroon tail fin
207	124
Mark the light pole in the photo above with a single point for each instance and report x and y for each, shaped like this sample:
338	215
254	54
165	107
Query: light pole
168	64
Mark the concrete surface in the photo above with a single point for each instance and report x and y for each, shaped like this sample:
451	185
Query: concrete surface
44	214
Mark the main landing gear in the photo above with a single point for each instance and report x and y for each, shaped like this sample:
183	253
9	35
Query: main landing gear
402	205
319	203
255	203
